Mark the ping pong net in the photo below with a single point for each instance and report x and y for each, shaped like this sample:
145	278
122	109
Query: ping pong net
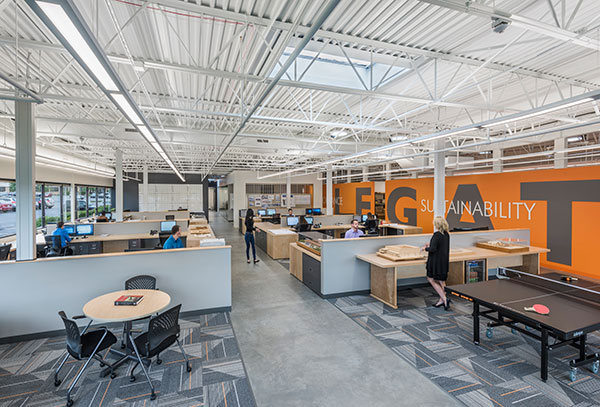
581	289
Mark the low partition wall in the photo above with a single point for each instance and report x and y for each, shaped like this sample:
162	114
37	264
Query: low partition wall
32	292
342	272
330	220
133	227
127	227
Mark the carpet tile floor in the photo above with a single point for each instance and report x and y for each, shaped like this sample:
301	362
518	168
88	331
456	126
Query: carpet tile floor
501	371
218	377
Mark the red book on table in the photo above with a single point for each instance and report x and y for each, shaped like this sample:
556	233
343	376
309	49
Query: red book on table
129	300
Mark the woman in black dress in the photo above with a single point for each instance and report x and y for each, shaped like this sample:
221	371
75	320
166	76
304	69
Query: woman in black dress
438	260
249	236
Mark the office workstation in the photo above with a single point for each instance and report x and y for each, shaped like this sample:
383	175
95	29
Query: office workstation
422	179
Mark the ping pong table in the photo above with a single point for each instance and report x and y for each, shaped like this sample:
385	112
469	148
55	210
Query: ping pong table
574	311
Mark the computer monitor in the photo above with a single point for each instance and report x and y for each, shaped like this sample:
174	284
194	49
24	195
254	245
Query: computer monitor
309	211
70	229
167	225
316	211
85	229
261	212
364	218
271	212
292	220
308	219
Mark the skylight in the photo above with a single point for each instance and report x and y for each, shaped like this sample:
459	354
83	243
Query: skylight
335	70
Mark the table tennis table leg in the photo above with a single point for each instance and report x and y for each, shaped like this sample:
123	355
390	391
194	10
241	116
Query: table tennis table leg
544	365
475	323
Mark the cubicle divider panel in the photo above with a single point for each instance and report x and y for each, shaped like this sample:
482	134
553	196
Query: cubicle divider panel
132	227
342	272
32	292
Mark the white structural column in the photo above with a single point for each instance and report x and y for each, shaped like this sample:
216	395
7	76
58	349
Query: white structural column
145	188
288	190
329	193
388	174
560	158
73	202
119	184
25	179
349	175
497	160
365	176
439	179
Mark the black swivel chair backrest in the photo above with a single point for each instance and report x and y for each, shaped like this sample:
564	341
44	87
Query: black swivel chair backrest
52	245
169	217
141	282
5	251
73	336
163	330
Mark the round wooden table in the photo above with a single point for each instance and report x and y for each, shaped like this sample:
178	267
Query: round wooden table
103	309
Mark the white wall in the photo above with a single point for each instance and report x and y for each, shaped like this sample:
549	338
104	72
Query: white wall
164	197
240	178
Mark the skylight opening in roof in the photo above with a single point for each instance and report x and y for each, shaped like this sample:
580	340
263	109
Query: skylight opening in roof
335	70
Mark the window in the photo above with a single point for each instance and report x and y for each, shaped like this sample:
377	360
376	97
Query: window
8	217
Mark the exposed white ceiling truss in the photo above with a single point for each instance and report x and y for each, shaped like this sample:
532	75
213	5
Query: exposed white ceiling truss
378	73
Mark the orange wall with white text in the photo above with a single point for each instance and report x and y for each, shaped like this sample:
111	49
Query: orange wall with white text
561	207
354	198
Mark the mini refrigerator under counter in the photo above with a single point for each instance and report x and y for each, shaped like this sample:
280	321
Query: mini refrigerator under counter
474	271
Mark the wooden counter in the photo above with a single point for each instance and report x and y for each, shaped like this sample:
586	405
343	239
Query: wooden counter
336	231
385	273
399	229
274	239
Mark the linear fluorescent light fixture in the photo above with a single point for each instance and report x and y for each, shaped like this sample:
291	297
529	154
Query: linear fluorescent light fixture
67	24
516	117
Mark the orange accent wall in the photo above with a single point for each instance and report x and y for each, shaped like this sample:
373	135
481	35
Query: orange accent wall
346	197
504	208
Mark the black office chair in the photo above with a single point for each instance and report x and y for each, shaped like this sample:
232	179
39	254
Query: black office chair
163	331
84	346
5	251
169	217
141	282
52	248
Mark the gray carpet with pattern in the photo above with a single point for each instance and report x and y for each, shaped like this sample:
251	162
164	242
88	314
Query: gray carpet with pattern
218	377
502	371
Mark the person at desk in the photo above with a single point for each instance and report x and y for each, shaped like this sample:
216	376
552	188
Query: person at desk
438	260
354	231
62	239
249	236
290	212
102	217
174	241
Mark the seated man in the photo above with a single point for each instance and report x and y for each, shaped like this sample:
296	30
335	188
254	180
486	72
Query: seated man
354	231
290	212
174	241
62	239
102	217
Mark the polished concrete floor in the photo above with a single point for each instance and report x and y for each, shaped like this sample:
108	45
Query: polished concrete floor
299	350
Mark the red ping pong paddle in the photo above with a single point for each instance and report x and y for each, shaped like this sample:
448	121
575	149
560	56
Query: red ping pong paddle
539	308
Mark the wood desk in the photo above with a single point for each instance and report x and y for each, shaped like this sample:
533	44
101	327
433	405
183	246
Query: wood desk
97	244
336	231
242	224
399	229
385	273
274	239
